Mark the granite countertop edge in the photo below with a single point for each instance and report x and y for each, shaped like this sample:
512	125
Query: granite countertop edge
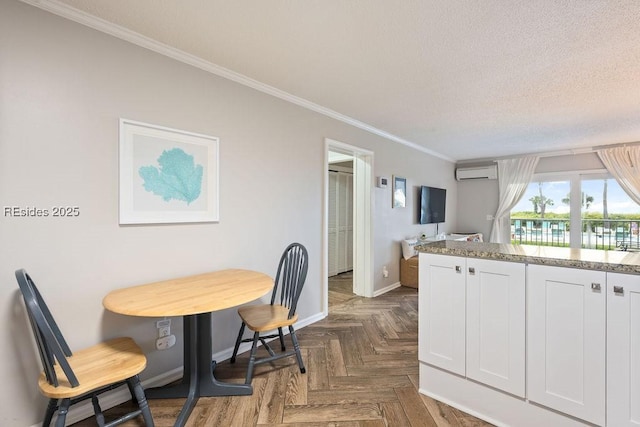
588	259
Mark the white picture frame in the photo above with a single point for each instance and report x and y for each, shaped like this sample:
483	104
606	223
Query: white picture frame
167	175
399	192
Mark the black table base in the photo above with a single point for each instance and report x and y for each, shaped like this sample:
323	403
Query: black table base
198	379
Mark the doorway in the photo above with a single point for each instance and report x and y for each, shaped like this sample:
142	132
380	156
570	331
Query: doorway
340	228
362	190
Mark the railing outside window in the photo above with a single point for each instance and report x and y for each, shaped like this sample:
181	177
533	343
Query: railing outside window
596	234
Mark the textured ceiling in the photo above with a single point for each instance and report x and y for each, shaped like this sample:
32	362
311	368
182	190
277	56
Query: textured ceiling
465	79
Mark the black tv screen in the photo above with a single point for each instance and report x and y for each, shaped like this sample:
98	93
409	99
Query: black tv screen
432	204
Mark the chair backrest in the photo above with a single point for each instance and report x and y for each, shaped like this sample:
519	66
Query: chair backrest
51	343
292	273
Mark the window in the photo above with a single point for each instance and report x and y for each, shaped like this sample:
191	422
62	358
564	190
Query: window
609	217
573	210
542	216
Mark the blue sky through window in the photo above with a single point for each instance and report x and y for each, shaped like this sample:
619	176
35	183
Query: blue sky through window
617	200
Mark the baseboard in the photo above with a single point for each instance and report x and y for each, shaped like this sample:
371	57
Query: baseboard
117	397
492	405
386	289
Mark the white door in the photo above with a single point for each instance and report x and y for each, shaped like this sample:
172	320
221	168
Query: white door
496	324
344	207
340	223
332	220
348	225
441	317
566	340
623	350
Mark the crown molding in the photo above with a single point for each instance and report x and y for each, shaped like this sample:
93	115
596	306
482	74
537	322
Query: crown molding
68	12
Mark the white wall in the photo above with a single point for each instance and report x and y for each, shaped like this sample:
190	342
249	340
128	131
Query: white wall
63	88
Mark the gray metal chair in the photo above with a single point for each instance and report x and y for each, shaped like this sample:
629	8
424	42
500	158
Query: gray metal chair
281	312
69	377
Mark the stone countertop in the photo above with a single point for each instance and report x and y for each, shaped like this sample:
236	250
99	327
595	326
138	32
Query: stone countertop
589	259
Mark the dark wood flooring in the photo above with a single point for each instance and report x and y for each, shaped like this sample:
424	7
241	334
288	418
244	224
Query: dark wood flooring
362	370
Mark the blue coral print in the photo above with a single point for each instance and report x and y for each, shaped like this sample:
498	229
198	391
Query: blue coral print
178	177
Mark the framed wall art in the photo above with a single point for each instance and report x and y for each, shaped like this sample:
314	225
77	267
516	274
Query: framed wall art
399	192
167	175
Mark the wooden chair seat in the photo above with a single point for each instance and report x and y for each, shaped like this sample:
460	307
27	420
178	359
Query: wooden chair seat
266	317
95	367
70	377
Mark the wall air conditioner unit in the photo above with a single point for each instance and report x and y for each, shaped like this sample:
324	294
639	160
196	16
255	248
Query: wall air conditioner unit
477	172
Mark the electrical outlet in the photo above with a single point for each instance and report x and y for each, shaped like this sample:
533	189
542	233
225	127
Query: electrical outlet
165	342
164	331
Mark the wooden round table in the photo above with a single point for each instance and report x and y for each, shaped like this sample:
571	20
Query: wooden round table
194	298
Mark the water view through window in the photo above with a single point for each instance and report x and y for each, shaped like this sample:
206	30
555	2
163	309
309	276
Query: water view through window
608	218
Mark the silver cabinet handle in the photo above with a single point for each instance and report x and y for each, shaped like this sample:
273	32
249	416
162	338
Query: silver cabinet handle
595	286
618	290
458	269
472	271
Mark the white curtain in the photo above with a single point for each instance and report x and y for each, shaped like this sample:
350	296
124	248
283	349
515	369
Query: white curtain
624	164
514	176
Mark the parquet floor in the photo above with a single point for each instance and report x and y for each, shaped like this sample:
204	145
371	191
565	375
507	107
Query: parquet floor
362	370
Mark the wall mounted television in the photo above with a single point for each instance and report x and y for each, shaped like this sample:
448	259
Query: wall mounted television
432	205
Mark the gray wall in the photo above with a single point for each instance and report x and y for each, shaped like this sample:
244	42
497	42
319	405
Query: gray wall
570	162
395	224
476	200
63	88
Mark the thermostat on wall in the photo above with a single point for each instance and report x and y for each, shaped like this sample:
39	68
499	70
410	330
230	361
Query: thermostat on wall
382	182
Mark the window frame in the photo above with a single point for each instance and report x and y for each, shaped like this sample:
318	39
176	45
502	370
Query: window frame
575	195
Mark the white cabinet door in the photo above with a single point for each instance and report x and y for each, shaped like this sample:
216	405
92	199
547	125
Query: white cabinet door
441	315
566	340
496	324
623	350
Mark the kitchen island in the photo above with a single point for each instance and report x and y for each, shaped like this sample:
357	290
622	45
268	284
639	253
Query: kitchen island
531	336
